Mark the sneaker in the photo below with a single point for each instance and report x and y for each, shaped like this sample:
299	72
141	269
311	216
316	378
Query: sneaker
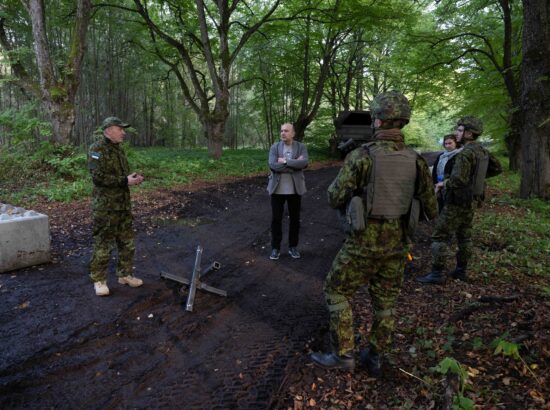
130	280
101	288
274	254
333	361
294	253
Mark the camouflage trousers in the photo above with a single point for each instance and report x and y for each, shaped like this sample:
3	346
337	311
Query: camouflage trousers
452	221
356	265
112	229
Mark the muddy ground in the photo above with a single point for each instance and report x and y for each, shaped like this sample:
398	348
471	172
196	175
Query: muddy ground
64	347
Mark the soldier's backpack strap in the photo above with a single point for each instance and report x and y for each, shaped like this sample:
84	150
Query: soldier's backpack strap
478	181
368	191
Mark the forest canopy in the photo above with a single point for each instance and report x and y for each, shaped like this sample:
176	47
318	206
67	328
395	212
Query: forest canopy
191	74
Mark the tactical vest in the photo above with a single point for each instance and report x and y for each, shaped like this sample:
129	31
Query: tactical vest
478	179
392	177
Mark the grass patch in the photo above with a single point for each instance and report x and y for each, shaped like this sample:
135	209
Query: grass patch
512	235
59	173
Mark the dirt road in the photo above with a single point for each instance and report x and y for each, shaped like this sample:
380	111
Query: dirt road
63	347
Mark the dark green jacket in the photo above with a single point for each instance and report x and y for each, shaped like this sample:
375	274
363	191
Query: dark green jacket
109	168
460	183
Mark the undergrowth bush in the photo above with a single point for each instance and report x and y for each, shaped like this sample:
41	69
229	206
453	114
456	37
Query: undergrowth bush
59	172
512	234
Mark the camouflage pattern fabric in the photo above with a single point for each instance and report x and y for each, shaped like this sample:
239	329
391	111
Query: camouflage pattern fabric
457	216
109	168
112	218
472	124
391	105
362	260
112	229
375	256
459	185
453	221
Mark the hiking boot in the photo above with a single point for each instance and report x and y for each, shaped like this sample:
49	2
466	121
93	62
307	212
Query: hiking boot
130	280
292	251
459	273
332	361
274	254
372	361
101	288
435	277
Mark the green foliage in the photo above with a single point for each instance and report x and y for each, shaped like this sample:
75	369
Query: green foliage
65	161
450	365
20	124
512	233
477	343
509	349
545	291
450	339
57	92
59	172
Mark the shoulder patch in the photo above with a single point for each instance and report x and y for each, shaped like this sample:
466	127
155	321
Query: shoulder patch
95	155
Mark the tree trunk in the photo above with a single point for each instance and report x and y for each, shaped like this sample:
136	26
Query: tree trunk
58	90
512	139
62	117
300	127
535	100
214	132
214	129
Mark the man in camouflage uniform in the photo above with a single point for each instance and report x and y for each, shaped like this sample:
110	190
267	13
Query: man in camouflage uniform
112	215
464	189
376	255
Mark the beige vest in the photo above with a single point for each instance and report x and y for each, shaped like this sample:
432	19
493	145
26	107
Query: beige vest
390	190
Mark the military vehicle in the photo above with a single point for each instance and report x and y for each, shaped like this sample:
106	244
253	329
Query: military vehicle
353	128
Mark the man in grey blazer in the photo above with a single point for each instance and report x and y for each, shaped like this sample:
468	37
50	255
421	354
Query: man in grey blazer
287	159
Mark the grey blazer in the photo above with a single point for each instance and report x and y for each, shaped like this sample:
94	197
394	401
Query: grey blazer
293	166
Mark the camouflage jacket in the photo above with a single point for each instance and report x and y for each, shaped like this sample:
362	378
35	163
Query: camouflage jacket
354	177
109	168
459	185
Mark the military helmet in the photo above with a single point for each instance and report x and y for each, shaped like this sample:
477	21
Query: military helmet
472	124
392	105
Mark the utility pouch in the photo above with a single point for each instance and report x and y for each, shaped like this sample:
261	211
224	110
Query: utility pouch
413	217
355	214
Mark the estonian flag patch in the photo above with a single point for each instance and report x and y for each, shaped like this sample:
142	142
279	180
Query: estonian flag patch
95	155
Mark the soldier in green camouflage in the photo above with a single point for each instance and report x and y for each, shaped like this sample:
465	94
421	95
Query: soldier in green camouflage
464	189
388	176
112	215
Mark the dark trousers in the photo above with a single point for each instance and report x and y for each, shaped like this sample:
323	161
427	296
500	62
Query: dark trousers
277	209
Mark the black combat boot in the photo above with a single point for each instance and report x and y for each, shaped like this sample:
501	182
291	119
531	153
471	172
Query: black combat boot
435	276
333	361
372	361
459	272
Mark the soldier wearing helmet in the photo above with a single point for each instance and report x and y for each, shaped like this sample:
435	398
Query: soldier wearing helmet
464	188
381	179
468	128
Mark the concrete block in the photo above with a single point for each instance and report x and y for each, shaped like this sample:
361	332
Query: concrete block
24	238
